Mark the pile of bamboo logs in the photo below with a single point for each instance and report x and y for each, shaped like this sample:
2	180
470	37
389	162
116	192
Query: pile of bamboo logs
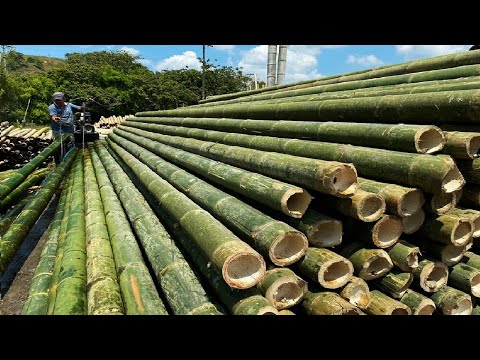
104	125
19	145
347	195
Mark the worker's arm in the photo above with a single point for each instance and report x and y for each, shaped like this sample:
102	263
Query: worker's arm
53	113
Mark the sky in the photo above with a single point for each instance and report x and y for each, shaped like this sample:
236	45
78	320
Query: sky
303	61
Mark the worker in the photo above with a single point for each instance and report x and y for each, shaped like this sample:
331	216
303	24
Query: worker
62	115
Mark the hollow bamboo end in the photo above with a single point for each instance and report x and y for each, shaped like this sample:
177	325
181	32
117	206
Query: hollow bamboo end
452	255
295	202
343	181
411	224
442	202
429	140
371	207
327	233
433	276
453	180
475	219
387	231
475	285
399	311
462	232
244	270
426	307
288	248
472	146
267	310
410	202
377	266
357	293
286	292
335	273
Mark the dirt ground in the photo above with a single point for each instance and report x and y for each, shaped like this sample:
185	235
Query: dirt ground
15	282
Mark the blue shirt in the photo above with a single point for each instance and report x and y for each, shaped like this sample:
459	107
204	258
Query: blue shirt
66	113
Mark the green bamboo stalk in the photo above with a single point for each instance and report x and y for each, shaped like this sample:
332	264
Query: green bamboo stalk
437	62
291	200
139	293
465	278
18	230
471	259
240	265
427	172
473	215
179	284
430	276
413	223
356	292
419	304
71	293
329	269
382	234
368	264
103	291
282	287
21	174
450	301
448	229
321	230
37	301
462	145
395	283
475	311
328	303
404	255
400	200
280	242
32	179
408	138
470	170
7	219
324	176
382	304
363	205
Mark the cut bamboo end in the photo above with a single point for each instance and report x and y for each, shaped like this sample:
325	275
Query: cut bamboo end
462	232
466	278
267	310
335	273
429	139
410	202
442	202
328	303
326	233
357	293
411	224
418	303
243	270
433	276
342	181
452	255
387	231
288	248
376	266
475	219
472	146
451	301
371	207
295	202
453	180
286	312
404	255
382	304
286	292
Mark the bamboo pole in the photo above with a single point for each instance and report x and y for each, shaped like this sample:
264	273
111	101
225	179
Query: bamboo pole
328	303
329	269
419	304
441	202
462	145
399	200
424	139
240	265
404	255
470	170
471	259
368	264
356	292
430	276
274	239
179	284
427	172
382	304
7	219
465	278
448	254
325	176
473	215
448	229
395	283
103	291
282	287
450	301
139	293
382	234
412	223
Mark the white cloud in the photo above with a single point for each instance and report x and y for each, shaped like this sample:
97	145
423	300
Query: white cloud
176	62
224	47
364	60
147	63
423	51
129	50
301	61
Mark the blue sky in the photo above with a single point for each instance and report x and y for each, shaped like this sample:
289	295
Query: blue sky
303	61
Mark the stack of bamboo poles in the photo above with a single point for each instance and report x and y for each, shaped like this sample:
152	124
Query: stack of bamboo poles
105	125
18	146
309	198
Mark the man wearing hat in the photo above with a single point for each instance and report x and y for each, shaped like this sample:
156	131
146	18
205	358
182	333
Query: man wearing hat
62	114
